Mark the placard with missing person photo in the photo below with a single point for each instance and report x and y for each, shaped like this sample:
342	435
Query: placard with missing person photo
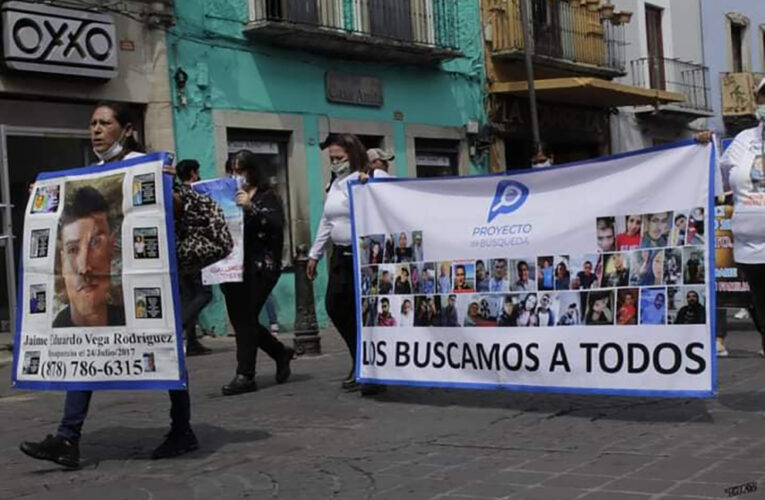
99	306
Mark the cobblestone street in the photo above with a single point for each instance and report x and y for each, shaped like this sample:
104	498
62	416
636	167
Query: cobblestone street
308	440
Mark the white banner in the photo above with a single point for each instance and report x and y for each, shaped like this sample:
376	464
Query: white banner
593	277
98	294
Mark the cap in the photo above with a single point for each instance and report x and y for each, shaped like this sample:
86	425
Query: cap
379	154
760	87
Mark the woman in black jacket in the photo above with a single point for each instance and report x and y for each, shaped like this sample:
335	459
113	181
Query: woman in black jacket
263	243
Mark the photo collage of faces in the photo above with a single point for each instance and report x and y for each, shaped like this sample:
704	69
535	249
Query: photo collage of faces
646	269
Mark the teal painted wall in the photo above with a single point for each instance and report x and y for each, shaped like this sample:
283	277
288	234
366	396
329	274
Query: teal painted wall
227	71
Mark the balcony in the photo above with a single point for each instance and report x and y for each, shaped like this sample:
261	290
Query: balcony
396	31
570	38
681	77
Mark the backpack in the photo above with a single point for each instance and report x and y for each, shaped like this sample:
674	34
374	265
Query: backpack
201	232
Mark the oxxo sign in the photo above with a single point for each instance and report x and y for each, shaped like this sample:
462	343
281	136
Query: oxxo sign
49	39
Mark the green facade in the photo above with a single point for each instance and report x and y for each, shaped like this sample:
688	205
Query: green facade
228	71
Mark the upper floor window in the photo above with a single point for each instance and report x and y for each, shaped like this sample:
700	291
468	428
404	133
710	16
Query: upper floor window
738	31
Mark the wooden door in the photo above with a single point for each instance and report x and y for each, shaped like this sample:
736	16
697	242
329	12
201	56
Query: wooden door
302	11
391	18
655	39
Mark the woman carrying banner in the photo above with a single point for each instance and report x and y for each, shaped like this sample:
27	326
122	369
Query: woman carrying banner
741	167
112	136
348	160
263	244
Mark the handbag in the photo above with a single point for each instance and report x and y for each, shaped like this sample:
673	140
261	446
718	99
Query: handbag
202	235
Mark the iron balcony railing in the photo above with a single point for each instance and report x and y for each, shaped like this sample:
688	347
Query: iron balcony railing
432	23
673	75
562	30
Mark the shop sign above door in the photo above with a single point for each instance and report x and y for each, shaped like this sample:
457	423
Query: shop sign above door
45	39
354	89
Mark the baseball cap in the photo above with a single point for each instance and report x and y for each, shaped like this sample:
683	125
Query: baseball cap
379	154
761	86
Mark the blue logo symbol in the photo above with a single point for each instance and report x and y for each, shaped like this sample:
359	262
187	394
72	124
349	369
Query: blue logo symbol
510	196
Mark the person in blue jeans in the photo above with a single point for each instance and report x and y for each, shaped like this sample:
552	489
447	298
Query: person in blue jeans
86	275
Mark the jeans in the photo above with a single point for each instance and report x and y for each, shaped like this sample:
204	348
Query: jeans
244	301
194	297
78	402
271	310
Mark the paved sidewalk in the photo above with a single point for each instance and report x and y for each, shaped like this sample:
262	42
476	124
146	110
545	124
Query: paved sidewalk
308	440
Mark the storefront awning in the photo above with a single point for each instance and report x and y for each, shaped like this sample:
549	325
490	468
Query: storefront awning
589	92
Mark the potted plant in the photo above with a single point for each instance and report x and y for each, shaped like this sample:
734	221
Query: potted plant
606	10
623	17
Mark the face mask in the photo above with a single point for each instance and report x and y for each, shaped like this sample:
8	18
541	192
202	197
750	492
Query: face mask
546	163
113	152
341	169
760	112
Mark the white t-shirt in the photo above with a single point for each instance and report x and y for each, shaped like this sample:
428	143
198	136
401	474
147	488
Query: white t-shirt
335	224
742	167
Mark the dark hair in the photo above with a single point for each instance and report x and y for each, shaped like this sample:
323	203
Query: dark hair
357	153
680	216
521	263
124	116
605	223
85	202
587	262
460	267
384	301
185	168
249	163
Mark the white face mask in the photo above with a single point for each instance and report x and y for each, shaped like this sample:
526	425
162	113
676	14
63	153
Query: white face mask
341	169
760	112
113	152
546	163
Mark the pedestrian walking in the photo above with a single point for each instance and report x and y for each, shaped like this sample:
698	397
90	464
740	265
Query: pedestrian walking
112	138
194	294
741	167
348	160
379	159
263	243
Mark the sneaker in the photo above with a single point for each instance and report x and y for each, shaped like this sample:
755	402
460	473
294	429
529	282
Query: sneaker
275	328
741	314
240	385
349	381
721	350
197	349
176	443
283	370
58	449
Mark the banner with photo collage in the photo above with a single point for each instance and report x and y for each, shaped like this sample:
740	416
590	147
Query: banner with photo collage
592	277
98	305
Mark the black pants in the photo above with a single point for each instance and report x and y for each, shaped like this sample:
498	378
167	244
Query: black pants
755	276
194	297
340	299
244	302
